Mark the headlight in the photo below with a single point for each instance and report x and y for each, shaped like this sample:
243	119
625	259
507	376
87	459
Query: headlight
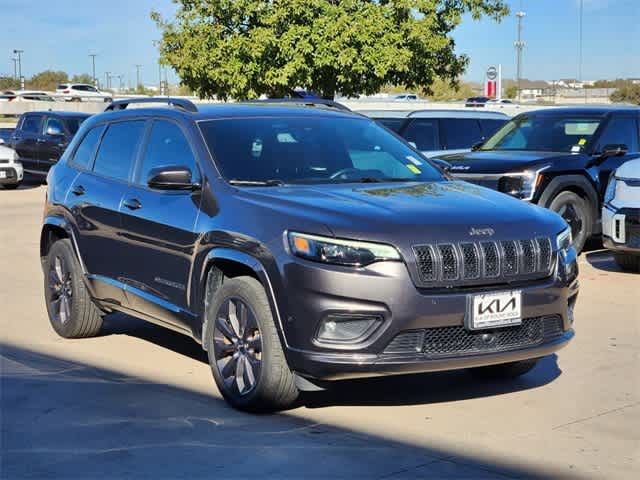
521	185
564	240
340	252
610	192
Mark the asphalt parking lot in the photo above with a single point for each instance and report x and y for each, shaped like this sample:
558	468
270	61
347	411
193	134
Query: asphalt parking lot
139	401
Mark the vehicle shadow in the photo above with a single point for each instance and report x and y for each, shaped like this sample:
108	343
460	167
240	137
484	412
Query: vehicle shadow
414	389
28	183
602	260
67	419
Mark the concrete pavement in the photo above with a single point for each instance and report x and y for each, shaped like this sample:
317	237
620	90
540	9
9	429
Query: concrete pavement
139	401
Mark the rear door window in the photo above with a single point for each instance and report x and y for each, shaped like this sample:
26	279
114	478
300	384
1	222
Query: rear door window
118	149
460	133
423	132
167	146
84	153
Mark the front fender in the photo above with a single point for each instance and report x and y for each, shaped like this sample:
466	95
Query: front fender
566	182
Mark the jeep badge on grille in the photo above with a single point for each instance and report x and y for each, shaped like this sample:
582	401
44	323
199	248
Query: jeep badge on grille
486	232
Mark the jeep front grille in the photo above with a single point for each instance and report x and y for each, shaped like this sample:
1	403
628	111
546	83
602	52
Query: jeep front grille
477	263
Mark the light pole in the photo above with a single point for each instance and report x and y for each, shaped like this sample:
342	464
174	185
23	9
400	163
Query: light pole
107	77
19	55
93	68
138	75
519	44
15	67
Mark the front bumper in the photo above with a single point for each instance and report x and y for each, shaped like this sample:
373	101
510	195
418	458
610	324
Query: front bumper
13	173
386	290
621	229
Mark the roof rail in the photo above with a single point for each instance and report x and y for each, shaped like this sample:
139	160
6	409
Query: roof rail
305	102
182	103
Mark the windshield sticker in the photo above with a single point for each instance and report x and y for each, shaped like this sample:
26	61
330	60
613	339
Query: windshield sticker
576	149
582	141
414	169
414	160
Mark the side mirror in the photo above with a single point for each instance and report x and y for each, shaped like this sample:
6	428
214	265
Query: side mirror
171	178
614	150
443	164
476	146
54	131
413	144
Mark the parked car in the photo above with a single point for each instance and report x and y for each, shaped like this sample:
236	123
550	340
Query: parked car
437	132
78	92
499	101
26	95
558	158
621	215
477	101
298	245
5	135
406	97
40	138
11	172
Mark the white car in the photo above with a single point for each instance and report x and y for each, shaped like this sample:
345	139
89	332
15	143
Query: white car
621	215
25	95
78	92
11	172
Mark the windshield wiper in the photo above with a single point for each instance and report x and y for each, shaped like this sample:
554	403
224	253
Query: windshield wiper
257	183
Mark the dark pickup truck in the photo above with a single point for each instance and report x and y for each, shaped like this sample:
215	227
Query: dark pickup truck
40	138
558	158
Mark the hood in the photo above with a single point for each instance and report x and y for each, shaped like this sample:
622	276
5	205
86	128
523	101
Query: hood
495	161
6	152
410	212
629	169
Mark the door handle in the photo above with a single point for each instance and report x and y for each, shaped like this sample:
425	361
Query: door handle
40	140
78	190
132	203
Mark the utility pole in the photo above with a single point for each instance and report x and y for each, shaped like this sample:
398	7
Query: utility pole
19	53
15	67
107	77
519	44
93	68
138	75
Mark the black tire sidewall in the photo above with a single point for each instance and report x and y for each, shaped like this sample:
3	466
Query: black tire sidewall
64	250
582	207
252	293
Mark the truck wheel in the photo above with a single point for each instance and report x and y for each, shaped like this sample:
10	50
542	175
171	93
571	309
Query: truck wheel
244	348
71	311
505	370
577	213
627	261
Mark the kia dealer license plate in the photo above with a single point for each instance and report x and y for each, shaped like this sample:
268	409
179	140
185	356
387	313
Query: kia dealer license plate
494	310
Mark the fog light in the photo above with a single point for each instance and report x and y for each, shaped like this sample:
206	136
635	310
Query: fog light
347	328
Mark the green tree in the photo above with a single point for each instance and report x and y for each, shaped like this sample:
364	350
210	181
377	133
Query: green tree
629	93
511	91
9	83
245	48
47	80
83	78
444	91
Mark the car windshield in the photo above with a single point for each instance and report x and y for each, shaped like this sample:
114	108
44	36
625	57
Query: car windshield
545	132
318	149
73	123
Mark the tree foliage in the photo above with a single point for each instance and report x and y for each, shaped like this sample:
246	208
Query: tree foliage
511	91
245	48
82	78
629	93
47	80
9	83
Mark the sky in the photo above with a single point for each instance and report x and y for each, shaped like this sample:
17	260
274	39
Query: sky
60	34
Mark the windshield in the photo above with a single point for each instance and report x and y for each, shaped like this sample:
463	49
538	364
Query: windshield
312	150
545	132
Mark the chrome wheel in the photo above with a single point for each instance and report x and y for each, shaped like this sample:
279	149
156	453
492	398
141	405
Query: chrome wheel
60	290
237	346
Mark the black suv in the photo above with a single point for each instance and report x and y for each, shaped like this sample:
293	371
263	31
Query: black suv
40	138
299	245
558	158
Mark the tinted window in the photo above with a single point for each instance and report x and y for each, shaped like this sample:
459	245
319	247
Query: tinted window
84	153
73	124
54	123
545	132
424	134
32	124
394	124
167	146
458	133
620	131
118	148
490	126
62	87
311	149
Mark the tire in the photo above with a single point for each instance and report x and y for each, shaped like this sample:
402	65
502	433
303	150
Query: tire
253	344
627	261
505	371
76	99
80	318
578	214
